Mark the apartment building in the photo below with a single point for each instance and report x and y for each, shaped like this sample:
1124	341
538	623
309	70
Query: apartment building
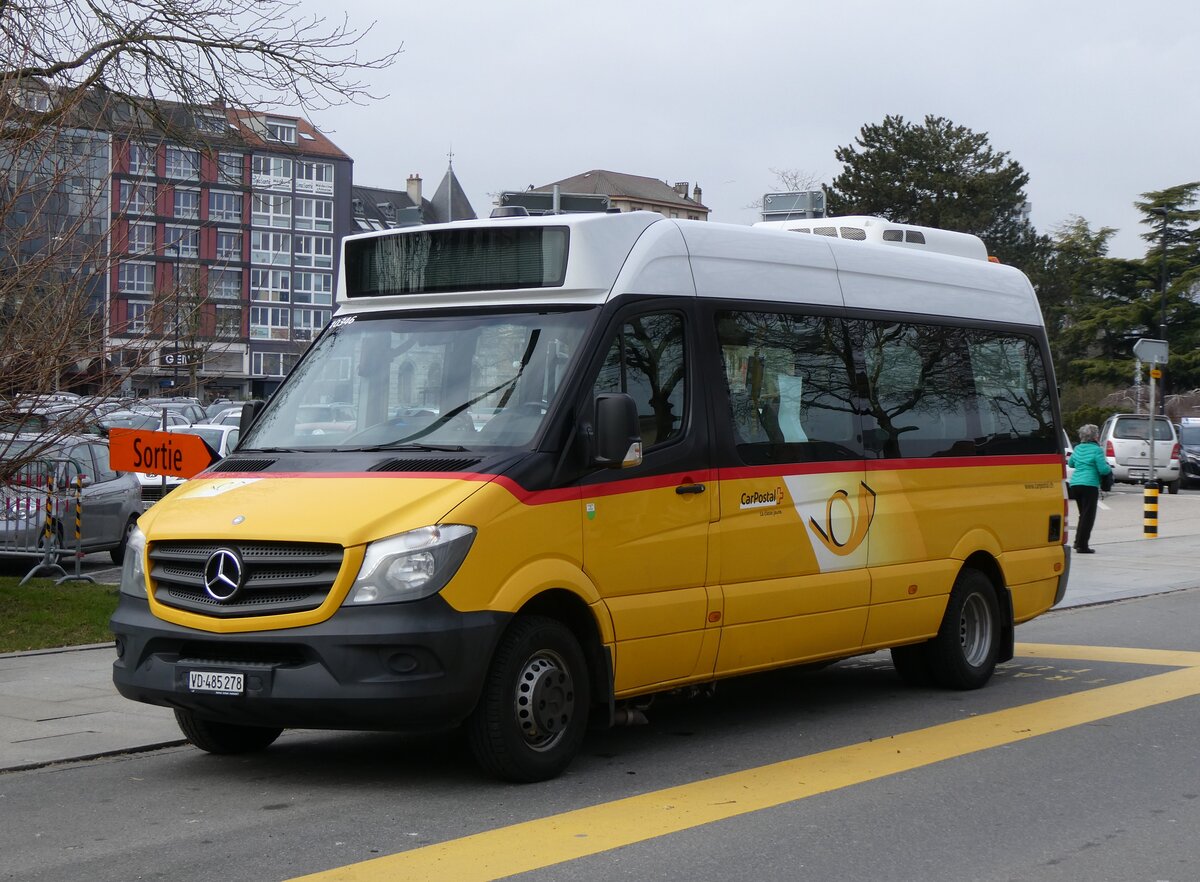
224	234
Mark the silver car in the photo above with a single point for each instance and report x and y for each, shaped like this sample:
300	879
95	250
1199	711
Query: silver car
72	477
1125	438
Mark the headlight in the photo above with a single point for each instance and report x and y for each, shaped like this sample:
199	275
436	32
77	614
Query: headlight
410	566
133	570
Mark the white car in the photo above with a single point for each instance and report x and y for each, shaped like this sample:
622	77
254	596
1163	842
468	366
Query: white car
222	440
1125	438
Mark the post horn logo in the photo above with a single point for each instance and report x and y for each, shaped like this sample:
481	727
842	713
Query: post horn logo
860	521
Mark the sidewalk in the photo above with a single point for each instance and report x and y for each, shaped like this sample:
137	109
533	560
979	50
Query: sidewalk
58	705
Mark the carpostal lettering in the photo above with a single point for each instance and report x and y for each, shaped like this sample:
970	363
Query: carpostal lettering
163	457
762	499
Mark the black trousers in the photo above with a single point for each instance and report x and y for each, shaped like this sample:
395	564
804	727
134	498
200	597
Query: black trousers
1087	499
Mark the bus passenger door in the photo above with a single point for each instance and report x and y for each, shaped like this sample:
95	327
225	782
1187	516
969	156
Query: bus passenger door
646	528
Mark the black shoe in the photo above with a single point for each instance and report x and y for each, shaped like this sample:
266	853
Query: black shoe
1085	550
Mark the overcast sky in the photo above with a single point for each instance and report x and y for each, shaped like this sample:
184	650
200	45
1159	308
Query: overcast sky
1096	100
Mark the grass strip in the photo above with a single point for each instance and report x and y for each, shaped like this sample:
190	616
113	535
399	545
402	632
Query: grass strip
42	615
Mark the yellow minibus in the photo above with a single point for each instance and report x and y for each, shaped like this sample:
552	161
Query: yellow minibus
582	459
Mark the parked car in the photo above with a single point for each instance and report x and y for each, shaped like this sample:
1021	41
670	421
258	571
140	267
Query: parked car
140	419
188	408
215	407
222	440
1189	452
229	416
1125	438
110	502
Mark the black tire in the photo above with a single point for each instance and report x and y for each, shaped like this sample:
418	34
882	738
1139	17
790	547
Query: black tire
118	554
963	654
532	715
912	664
224	738
1173	487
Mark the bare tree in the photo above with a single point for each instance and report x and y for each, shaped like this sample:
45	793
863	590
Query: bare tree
71	73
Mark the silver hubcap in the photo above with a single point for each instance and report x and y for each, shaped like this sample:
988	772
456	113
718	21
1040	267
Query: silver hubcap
975	630
544	700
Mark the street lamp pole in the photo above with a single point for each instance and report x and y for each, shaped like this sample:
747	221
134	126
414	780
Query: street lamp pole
175	357
1162	285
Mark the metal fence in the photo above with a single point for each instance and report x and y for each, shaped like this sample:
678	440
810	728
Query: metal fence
43	517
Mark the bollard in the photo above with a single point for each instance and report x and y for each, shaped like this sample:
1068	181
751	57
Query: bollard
1150	511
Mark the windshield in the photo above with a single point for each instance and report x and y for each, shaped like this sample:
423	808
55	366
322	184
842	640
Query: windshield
1190	436
445	382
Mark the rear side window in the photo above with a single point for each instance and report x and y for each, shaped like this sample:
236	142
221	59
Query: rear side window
935	390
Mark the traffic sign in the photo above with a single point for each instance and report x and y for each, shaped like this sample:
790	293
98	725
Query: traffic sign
159	453
1151	351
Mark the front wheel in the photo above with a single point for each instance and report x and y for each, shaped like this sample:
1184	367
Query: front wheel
532	715
224	738
963	654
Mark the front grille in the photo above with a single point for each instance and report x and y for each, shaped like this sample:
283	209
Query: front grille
152	493
278	577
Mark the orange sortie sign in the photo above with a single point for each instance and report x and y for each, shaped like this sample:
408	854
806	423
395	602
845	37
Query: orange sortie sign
160	453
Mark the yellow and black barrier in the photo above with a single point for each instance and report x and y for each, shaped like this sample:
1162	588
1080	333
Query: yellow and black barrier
1150	511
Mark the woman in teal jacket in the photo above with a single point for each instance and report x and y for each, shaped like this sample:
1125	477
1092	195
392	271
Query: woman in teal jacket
1089	464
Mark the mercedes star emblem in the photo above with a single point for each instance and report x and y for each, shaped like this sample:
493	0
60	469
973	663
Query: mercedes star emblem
223	574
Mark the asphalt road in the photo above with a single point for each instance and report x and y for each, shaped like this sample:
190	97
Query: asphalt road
1077	762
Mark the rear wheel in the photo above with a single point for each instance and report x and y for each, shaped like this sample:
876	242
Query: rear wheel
224	738
532	716
963	654
1173	486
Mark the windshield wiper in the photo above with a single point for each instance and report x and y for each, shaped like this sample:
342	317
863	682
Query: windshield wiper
409	445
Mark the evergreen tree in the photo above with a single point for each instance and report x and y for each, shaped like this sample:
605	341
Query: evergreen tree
940	175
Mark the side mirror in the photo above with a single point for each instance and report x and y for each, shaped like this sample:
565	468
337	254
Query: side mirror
618	441
250	410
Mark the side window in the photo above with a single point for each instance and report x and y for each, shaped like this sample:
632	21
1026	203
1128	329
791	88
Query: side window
81	462
1013	391
647	360
945	391
790	385
104	469
919	390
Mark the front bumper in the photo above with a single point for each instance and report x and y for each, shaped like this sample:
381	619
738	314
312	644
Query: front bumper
411	666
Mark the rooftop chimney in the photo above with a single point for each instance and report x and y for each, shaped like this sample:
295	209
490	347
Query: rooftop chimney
414	189
681	188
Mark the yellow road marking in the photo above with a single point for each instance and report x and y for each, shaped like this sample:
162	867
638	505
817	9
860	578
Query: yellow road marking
532	845
1167	658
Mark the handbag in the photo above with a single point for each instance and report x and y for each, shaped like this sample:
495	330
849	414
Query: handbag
1106	482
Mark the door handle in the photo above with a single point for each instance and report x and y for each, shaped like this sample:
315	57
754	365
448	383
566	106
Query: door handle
684	489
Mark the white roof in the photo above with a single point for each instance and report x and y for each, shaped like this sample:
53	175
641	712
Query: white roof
644	253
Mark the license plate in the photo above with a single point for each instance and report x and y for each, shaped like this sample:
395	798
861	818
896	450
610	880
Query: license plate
216	682
1138	473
